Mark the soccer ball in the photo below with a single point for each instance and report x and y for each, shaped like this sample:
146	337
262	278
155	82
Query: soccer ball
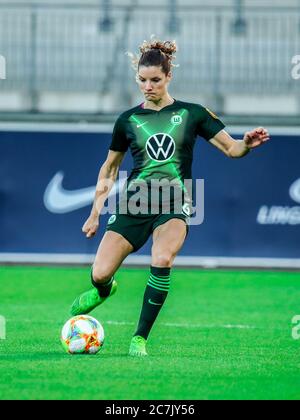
82	335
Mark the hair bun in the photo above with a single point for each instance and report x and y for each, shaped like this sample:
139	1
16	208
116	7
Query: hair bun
167	47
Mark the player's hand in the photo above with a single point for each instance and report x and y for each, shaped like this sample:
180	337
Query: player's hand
91	226
256	138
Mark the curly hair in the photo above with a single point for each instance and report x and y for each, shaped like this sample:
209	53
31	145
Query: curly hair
155	53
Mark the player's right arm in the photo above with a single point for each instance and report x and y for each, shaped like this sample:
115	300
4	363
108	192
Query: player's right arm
107	177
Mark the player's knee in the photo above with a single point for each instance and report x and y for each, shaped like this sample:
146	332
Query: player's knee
163	259
102	274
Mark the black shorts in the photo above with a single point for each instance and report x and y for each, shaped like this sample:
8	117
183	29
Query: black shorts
138	229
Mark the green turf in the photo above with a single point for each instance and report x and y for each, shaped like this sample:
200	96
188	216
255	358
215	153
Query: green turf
193	352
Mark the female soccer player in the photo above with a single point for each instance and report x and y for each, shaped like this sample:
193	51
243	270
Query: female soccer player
161	134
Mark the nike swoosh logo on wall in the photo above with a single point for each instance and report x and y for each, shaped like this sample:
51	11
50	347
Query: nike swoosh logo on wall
57	200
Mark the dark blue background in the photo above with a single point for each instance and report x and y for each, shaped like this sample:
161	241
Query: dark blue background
234	192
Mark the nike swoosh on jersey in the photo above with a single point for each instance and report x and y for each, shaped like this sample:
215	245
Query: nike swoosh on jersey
57	200
153	303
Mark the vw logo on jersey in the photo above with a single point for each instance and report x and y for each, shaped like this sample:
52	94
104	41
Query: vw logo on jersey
161	147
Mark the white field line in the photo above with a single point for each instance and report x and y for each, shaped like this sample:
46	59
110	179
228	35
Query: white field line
163	324
184	325
166	324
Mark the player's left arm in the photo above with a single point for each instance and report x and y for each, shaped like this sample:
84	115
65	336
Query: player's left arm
240	148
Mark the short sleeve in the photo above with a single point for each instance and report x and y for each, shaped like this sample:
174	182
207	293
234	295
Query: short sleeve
209	124
120	141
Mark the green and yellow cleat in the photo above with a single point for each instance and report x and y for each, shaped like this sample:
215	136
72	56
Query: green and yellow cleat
88	301
138	347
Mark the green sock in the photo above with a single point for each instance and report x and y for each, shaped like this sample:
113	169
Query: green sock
155	295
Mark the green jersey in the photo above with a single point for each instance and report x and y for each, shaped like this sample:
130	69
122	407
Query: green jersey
162	142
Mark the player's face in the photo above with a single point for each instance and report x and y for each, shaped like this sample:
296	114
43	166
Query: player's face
153	82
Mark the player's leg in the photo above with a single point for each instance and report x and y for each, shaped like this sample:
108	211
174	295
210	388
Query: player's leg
168	239
113	250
